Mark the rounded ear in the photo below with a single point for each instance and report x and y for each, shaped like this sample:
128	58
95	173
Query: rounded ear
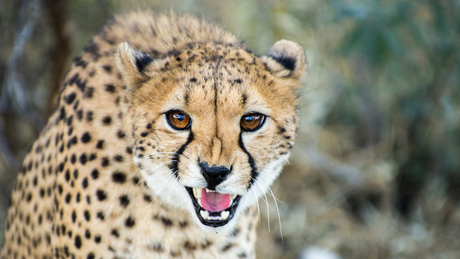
286	59
132	64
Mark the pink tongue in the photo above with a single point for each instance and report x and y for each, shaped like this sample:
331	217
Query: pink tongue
214	201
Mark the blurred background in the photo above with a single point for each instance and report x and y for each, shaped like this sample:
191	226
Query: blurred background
375	172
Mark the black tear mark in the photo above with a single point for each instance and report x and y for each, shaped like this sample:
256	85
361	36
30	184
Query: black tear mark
142	60
175	160
254	172
287	62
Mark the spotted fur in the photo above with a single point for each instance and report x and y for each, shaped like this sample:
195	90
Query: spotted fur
106	177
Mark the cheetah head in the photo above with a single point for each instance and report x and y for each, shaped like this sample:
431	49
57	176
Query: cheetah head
212	123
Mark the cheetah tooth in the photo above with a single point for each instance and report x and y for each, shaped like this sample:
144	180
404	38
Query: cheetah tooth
204	214
224	214
207	190
197	192
232	196
199	202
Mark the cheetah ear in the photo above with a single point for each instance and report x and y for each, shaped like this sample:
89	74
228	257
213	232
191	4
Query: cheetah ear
286	59
132	64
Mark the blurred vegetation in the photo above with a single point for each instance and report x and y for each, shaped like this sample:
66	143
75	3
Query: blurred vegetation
376	169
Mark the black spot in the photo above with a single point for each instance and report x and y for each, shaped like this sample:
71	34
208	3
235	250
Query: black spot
73	79
124	200
77	241
62	113
87	234
75	174
193	80
95	174
107	68
72	141
89	116
110	88
93	49
61	167
92	157
70	98
129	150
84	183
144	134
85	138
75	106
67	175
83	159
227	247
281	130
29	197
244	98
115	233
287	62
79	114
189	246
121	134
100	144
147	198
89	92
101	195
87	215
119	177
173	52
97	239
166	222
238	81
107	120
74	216
91	255
105	161
136	180
100	215
118	158
81	84
130	222
183	224
80	62
69	120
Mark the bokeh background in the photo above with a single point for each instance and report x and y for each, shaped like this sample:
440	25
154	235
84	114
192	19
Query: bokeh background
375	172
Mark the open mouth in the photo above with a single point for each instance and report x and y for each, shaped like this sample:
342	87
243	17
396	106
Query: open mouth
214	209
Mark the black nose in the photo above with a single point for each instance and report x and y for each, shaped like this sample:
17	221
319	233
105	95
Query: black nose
214	175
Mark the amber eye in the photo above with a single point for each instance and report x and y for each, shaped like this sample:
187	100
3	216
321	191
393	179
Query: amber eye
178	120
252	121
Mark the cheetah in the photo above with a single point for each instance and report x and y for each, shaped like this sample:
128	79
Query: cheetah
167	131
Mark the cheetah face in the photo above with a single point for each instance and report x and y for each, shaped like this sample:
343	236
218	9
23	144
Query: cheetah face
213	124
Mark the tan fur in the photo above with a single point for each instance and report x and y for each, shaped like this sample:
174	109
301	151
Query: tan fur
99	183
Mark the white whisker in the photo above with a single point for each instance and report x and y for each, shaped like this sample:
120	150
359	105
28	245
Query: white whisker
157	193
277	209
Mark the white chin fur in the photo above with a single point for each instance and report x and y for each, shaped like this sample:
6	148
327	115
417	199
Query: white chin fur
167	188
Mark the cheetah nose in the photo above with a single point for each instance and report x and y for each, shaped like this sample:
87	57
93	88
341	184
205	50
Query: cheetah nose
214	175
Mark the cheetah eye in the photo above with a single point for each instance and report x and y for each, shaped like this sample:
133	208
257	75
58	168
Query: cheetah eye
178	120
252	121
